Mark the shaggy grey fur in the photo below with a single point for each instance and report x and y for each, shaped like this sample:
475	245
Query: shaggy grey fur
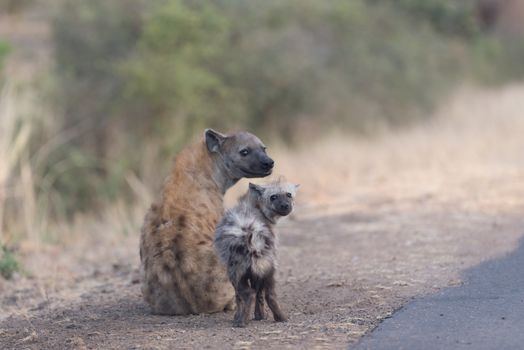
245	242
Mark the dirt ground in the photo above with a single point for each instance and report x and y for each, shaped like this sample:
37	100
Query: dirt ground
339	277
394	219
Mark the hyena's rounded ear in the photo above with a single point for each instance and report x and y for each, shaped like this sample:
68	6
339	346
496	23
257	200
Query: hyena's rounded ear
256	188
213	139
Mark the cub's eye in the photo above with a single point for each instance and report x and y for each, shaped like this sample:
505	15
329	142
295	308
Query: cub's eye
273	197
264	149
289	195
244	152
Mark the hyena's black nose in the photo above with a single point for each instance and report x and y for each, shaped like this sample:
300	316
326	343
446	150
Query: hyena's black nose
268	163
284	207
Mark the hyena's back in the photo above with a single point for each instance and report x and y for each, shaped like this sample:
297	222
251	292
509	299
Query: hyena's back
181	277
181	273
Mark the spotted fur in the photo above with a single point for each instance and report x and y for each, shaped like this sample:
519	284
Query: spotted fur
180	270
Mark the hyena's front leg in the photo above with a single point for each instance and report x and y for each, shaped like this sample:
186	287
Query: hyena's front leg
245	296
271	299
260	313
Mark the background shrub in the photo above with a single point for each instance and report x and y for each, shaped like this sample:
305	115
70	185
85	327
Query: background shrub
136	80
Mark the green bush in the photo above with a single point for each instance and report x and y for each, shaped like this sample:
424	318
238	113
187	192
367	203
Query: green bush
4	50
14	6
91	40
455	18
138	79
175	72
8	263
270	66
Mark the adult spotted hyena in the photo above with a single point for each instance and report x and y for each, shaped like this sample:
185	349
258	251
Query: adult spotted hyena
180	270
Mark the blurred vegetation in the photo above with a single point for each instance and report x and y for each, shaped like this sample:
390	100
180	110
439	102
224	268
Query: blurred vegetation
4	50
14	6
136	80
8	263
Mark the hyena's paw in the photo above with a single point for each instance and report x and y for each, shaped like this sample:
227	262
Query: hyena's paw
239	323
280	317
260	313
231	306
259	316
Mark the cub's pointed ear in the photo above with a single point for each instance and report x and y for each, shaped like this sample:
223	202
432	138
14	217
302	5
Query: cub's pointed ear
293	188
213	139
256	188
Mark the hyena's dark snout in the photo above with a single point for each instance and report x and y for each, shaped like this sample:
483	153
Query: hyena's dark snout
283	209
267	163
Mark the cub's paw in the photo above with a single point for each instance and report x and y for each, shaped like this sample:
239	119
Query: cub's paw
239	324
260	317
280	318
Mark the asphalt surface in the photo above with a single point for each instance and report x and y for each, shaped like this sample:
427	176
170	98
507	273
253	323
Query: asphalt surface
486	312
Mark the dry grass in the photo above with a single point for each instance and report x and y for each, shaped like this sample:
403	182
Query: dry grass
15	174
475	135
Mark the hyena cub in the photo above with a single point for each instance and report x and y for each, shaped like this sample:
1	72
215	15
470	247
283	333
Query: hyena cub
246	243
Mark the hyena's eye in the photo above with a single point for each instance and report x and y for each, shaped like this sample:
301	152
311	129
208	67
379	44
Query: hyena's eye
273	197
289	195
244	152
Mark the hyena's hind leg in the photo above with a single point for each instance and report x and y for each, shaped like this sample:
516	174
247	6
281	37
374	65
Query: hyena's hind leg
260	313
244	298
272	302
